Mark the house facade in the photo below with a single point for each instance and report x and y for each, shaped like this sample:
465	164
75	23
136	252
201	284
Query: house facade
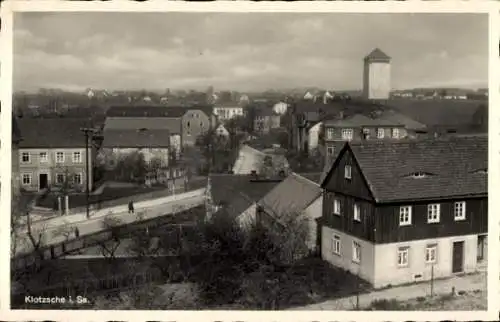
16	139
407	211
228	111
266	120
358	127
53	153
196	122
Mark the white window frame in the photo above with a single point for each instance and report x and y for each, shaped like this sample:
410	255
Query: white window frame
347	134
403	261
357	212
79	159
433	213
348	172
380	133
356	252
431	250
80	175
60	175
29	176
395	133
405	215
337	207
460	208
330	150
57	159
22	157
336	244
330	133
45	159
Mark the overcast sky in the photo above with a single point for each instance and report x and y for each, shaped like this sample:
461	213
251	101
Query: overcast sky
245	51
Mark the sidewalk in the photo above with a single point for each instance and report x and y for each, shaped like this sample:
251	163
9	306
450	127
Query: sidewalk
464	283
82	216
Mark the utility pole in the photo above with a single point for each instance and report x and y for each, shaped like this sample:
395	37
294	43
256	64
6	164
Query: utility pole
89	133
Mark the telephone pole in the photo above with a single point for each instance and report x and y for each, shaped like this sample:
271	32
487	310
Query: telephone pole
89	134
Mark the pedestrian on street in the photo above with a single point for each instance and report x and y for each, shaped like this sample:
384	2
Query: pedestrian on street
131	207
77	232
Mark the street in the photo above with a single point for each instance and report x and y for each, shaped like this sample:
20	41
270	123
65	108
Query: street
53	234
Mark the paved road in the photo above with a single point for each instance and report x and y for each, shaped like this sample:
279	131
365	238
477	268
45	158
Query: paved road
53	234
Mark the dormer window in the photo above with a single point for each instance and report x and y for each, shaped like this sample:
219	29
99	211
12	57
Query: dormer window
420	175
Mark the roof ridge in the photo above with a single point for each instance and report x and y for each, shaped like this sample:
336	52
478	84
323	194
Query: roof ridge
306	179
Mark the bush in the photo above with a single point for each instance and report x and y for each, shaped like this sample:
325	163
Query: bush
386	305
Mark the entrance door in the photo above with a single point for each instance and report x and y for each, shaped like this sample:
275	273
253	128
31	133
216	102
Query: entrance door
481	247
458	257
43	181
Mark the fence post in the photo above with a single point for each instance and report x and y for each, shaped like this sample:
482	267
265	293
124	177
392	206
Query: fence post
432	280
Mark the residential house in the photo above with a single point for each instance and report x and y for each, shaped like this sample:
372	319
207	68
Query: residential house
185	124
280	108
295	201
154	145
53	152
228	110
235	196
265	120
355	128
252	160
407	211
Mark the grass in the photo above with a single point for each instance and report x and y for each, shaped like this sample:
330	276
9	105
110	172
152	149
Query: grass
464	301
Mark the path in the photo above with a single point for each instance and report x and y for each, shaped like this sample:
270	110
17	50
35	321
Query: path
52	236
403	293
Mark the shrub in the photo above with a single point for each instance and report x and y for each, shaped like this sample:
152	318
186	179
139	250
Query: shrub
386	305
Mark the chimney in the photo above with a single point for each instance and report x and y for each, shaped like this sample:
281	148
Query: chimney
254	175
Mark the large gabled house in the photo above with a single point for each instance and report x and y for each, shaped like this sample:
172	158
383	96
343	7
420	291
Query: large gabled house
407	211
52	153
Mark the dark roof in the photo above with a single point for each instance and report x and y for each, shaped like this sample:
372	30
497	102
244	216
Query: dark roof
265	112
16	132
313	176
399	118
136	138
290	197
147	111
173	125
225	186
377	55
453	167
52	133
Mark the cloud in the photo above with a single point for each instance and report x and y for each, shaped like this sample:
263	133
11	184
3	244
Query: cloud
250	51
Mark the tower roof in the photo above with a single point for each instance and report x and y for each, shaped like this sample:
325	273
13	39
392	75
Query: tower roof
377	55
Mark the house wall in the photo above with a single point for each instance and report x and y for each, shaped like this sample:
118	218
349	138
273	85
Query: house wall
312	212
313	137
365	269
388	272
248	218
194	124
358	133
36	167
16	183
227	113
378	80
388	230
280	108
176	145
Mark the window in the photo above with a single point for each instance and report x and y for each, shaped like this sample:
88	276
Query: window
59	178
405	215
25	157
77	157
336	207
44	157
460	210
356	252
380	133
403	254
395	133
357	212
431	254
330	150
347	172
59	157
26	178
330	133
433	212
347	134
188	124
336	245
78	178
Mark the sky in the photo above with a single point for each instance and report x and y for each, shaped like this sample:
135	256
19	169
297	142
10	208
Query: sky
244	51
